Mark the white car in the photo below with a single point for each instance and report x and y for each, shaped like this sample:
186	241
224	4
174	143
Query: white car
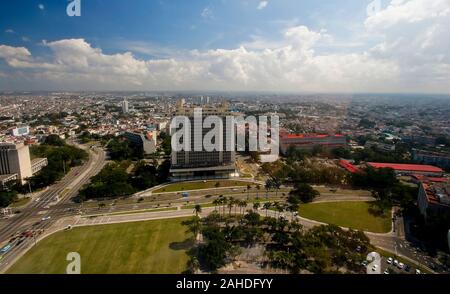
401	265
386	272
374	268
46	218
390	260
37	199
418	272
396	262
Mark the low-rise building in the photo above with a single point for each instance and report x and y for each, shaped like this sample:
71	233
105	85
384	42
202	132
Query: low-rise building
146	142
409	169
434	197
428	157
309	141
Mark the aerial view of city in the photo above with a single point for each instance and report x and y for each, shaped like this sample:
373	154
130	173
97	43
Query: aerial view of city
230	138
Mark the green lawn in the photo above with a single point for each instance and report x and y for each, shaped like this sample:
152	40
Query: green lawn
353	215
187	186
20	202
131	248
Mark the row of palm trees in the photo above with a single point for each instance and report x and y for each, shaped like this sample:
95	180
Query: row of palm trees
223	203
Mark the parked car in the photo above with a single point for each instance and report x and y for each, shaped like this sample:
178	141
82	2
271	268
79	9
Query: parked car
374	268
418	272
390	260
396	262
407	268
386	272
400	265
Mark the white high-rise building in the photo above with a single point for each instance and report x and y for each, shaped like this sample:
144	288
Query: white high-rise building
15	162
125	106
15	159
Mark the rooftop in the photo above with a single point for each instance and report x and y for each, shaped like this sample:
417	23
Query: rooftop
407	167
437	193
309	136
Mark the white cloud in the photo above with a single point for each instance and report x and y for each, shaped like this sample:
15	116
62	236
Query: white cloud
413	55
262	5
41	6
9	31
207	13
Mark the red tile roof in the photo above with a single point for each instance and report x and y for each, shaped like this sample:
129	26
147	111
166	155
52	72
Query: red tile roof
407	167
306	136
348	166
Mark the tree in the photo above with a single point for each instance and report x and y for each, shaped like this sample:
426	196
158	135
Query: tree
267	206
256	206
197	209
303	192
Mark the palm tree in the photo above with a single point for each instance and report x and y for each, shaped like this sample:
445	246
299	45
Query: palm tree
197	209
230	204
268	186
258	187
216	202
243	205
267	206
248	191
256	206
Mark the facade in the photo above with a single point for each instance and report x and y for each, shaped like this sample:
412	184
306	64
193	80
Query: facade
434	197
434	158
15	162
202	165
15	159
38	164
309	141
146	142
410	169
20	131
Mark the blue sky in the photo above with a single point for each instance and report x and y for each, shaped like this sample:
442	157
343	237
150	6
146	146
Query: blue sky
179	24
337	39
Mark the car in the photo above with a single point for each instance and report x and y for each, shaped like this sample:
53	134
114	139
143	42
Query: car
386	272
390	260
401	265
46	218
374	268
37	199
407	268
364	263
396	262
358	249
418	272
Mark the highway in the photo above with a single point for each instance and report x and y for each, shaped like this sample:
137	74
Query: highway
132	210
29	220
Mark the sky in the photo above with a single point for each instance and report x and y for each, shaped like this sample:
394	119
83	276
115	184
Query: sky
382	46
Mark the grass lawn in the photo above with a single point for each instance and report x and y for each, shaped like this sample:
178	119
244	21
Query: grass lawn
20	202
131	248
353	215
187	186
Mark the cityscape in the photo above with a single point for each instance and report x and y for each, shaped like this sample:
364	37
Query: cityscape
356	182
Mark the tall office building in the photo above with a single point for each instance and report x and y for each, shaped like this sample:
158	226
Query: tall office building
15	159
16	165
125	106
203	165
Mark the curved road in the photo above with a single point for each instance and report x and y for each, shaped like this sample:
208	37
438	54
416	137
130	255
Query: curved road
30	218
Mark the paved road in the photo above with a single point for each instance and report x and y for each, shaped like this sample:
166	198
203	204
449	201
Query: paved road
30	217
66	213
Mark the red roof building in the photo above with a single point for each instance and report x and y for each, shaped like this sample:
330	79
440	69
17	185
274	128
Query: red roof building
410	169
348	166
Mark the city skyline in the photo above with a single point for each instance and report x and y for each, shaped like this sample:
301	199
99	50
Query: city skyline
282	46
